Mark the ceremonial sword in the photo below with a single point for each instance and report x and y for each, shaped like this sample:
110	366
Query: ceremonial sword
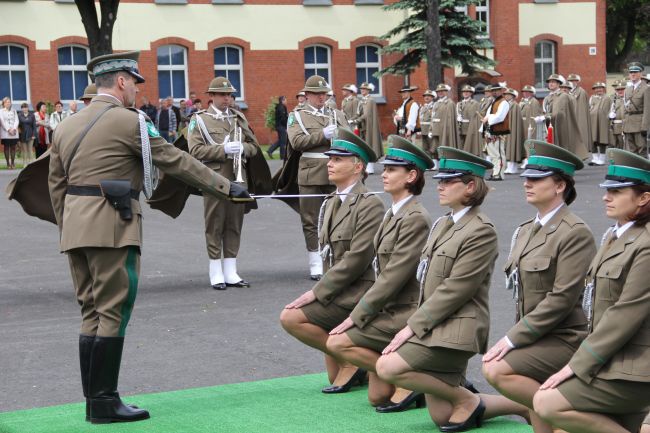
311	195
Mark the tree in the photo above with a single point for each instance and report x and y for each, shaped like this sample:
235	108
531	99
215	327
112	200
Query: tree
100	37
456	37
628	30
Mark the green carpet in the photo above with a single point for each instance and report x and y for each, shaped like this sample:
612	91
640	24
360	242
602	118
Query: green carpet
285	405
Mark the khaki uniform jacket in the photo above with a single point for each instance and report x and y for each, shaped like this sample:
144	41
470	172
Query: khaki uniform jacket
467	109
474	142
214	156
112	150
530	108
349	236
453	308
426	113
599	111
559	108
552	268
312	171
350	106
619	109
618	346
369	124
637	108
443	122
515	140
582	114
394	296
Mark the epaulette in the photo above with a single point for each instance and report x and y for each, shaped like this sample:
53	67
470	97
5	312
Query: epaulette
572	219
485	219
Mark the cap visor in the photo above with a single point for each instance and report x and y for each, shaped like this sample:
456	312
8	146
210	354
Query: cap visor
138	78
391	161
337	152
448	174
616	184
532	173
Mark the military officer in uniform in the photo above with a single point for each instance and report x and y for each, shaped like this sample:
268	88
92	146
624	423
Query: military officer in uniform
426	113
301	100
350	102
97	162
386	306
605	386
367	120
546	267
475	142
599	108
444	126
466	109
616	115
89	93
350	218
331	100
582	108
311	129
221	138
515	152
636	101
530	109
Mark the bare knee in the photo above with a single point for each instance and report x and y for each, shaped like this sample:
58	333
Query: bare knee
387	370
289	319
337	343
543	405
491	373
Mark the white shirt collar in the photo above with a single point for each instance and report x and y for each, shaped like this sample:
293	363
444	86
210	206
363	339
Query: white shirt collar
461	213
548	216
110	96
219	112
622	229
343	194
397	206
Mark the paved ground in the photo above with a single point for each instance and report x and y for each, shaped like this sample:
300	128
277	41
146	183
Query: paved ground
183	334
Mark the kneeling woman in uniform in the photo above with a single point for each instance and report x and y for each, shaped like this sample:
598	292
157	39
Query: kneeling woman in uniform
349	220
384	309
451	324
546	268
605	387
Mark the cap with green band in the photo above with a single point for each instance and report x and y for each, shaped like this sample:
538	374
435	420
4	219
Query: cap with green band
626	169
546	159
116	62
456	163
346	143
403	152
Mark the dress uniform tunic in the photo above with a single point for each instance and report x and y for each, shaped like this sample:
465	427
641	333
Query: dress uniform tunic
618	109
452	321
369	124
559	108
223	219
530	109
582	114
385	308
637	116
551	262
349	106
599	107
346	240
467	109
426	113
443	125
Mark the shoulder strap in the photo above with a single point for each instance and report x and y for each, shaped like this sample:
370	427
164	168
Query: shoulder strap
82	136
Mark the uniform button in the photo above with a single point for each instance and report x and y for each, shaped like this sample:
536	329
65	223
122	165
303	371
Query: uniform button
607	273
535	267
426	329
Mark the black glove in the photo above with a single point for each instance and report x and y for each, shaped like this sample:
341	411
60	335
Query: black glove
238	193
644	134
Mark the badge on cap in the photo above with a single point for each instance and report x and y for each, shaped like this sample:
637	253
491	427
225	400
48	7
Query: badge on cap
153	132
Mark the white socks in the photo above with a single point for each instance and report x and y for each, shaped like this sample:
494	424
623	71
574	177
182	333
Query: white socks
230	271
315	263
512	168
370	168
523	163
216	273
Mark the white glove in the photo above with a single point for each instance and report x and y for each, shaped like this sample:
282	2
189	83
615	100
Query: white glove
328	131
540	118
612	115
232	147
459	118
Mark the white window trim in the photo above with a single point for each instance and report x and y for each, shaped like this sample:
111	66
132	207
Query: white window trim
327	66
11	68
73	68
170	68
366	65
485	9
239	67
544	60
462	9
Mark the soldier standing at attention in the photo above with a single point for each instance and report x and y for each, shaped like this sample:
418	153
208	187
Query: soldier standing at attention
444	131
515	152
301	100
530	108
466	109
367	119
331	100
582	109
496	126
599	106
406	116
349	222
350	102
426	113
98	161
637	111
311	130
216	137
616	115
475	142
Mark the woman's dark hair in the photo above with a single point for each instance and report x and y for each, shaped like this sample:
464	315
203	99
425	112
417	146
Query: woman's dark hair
570	193
196	101
282	98
39	104
642	216
24	105
417	185
480	191
58	103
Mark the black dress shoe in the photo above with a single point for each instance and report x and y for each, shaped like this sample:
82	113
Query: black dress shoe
315	277
357	378
474	420
403	405
470	387
495	178
219	286
240	283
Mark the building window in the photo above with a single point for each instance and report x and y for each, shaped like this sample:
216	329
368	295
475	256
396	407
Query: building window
228	63
172	71
461	9
369	63
544	62
13	73
73	76
317	62
483	16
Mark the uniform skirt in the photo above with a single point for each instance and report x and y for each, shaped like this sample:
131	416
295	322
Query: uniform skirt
447	365
543	358
625	401
370	337
327	317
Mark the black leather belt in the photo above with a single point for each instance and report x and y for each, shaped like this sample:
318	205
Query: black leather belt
94	191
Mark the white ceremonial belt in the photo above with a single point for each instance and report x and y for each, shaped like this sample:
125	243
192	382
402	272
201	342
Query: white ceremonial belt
524	118
465	121
425	123
314	155
617	121
435	120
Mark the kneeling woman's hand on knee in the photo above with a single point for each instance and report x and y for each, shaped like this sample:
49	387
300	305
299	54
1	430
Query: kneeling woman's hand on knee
400	338
558	378
344	326
306	298
498	351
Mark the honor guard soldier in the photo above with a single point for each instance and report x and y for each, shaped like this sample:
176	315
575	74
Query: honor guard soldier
530	109
515	152
443	130
466	109
475	142
367	119
221	138
426	113
301	100
311	130
89	93
406	116
496	127
599	108
98	160
582	109
331	100
636	101
350	102
616	115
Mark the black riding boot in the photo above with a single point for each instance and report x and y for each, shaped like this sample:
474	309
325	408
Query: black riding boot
105	403
85	350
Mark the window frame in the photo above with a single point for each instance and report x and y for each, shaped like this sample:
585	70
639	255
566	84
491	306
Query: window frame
25	68
171	67
239	68
365	65
484	9
317	66
73	68
544	60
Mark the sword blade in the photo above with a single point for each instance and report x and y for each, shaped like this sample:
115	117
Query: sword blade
307	195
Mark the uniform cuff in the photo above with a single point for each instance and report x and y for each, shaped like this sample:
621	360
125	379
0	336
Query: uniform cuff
510	343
